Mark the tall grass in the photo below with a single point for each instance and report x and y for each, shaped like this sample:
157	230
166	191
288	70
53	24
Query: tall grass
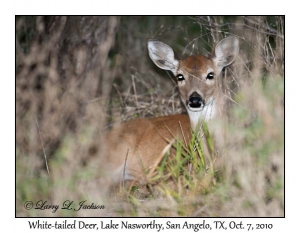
79	76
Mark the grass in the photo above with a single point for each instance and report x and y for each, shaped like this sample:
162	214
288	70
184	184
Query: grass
247	171
64	104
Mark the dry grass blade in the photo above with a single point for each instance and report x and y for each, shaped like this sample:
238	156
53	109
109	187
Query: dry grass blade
159	158
44	152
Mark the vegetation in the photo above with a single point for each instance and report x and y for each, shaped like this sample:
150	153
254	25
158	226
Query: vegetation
79	76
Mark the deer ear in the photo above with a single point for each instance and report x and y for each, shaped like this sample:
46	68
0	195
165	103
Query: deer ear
226	51
162	55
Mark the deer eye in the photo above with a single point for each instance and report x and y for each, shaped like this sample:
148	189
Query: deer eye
180	77
210	75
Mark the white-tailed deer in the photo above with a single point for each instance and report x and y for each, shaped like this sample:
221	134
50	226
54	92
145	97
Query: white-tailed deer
135	146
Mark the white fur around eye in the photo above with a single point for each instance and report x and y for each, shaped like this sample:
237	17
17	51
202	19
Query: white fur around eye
181	83
180	80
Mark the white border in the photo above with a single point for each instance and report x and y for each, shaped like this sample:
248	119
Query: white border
117	7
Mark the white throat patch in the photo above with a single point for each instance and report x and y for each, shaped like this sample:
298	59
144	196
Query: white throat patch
206	114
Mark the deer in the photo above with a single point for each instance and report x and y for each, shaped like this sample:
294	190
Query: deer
136	146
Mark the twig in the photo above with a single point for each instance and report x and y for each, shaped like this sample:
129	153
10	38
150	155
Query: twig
182	133
157	161
124	168
37	124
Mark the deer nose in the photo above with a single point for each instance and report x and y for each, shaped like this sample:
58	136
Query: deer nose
195	100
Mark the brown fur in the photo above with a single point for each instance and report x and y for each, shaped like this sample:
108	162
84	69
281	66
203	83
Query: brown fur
144	143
